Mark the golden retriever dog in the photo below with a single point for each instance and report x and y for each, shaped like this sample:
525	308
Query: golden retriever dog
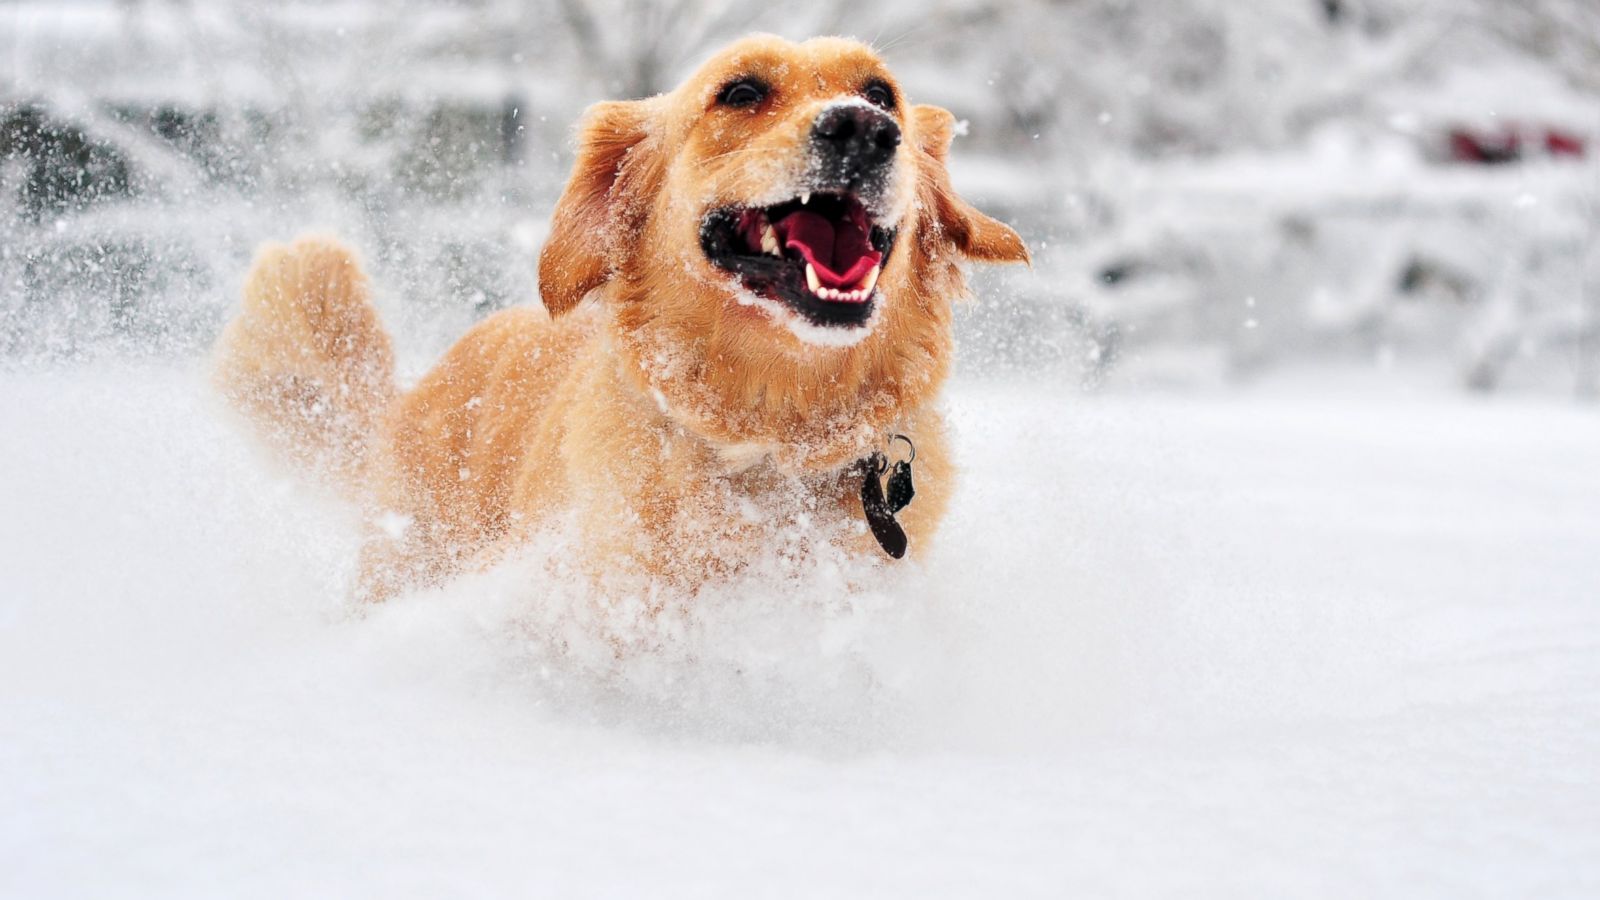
747	303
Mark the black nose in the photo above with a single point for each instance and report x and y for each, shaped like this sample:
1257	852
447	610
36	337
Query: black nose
857	139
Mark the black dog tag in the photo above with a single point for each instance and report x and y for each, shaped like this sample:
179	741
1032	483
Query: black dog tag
900	488
880	517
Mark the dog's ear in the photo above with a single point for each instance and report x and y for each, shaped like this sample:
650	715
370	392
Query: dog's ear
950	218
605	201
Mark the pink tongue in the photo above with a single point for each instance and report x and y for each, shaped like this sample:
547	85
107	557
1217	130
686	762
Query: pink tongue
841	256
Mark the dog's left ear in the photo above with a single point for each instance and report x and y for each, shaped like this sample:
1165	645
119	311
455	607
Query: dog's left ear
604	203
974	234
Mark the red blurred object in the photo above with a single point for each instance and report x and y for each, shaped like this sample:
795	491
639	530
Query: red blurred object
1564	143
1487	148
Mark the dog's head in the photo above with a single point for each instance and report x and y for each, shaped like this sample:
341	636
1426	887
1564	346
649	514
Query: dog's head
786	200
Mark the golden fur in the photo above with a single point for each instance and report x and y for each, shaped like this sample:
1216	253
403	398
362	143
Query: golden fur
682	428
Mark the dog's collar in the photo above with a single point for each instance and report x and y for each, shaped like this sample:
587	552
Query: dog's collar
879	507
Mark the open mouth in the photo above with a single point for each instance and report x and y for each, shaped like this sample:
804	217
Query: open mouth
819	254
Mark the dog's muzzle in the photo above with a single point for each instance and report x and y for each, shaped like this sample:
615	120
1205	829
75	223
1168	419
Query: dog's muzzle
852	149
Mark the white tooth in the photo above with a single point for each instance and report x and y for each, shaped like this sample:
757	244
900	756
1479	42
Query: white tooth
769	241
812	281
805	198
872	280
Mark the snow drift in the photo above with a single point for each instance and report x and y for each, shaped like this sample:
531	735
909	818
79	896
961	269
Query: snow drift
1201	644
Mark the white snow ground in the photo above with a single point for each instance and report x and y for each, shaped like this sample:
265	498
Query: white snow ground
1300	641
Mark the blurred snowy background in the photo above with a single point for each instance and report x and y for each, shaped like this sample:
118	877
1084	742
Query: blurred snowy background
1213	190
1274	569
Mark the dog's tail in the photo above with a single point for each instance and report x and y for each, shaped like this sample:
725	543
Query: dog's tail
306	359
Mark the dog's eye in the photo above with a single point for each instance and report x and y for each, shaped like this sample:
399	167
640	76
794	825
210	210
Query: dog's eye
743	92
879	94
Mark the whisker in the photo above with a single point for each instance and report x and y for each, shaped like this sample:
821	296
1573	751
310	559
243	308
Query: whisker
906	34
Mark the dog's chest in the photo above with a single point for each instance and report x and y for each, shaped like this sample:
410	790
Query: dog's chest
734	458
750	502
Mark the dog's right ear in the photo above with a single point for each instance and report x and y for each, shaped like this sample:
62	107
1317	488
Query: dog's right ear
605	202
